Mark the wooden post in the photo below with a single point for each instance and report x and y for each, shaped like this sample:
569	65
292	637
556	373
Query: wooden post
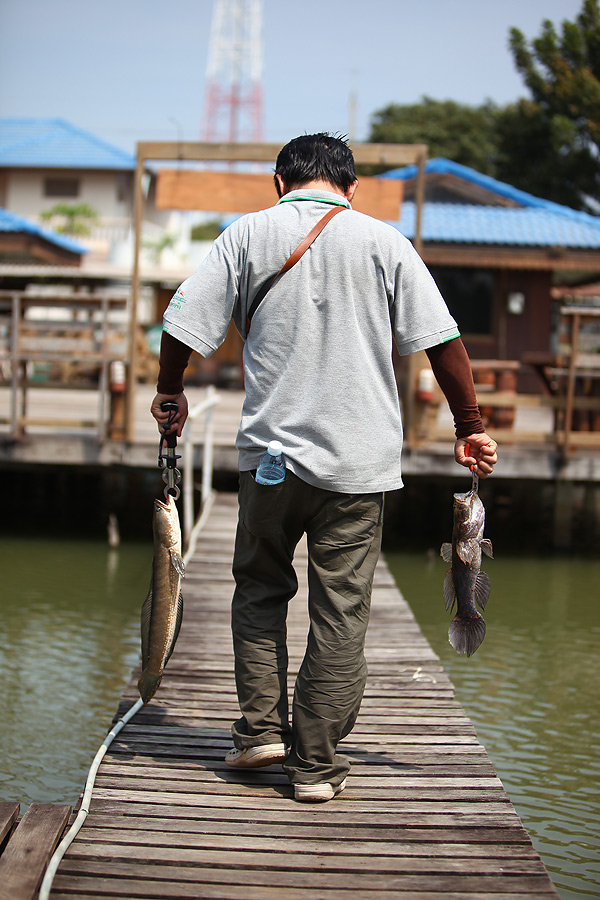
419	201
103	380
135	290
14	362
571	380
563	514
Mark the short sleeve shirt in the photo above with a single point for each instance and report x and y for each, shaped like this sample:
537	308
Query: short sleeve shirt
318	358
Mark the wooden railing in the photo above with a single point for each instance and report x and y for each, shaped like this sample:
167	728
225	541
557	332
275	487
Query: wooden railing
64	340
572	393
192	524
81	340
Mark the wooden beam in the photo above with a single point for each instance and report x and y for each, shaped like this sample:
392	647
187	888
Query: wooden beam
367	154
244	192
496	257
37	248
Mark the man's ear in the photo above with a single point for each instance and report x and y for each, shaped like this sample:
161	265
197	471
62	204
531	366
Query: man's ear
349	194
280	186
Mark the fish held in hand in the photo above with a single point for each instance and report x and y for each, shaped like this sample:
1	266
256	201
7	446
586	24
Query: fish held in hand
163	608
465	583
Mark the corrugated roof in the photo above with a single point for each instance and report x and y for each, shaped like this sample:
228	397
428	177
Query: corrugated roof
463	223
14	224
54	143
537	223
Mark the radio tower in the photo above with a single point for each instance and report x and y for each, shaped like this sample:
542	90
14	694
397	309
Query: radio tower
233	94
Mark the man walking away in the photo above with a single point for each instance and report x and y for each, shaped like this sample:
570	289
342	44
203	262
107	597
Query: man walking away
319	378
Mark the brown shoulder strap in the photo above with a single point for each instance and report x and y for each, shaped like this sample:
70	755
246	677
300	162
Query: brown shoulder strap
293	259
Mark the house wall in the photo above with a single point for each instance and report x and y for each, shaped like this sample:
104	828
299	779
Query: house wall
530	330
109	193
512	334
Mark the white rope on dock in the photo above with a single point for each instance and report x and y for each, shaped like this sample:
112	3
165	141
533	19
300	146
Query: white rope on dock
84	809
85	803
208	498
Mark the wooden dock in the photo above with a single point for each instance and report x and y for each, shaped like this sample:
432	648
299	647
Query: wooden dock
424	814
530	478
527	451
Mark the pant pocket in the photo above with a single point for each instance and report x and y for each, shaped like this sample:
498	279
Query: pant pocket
261	505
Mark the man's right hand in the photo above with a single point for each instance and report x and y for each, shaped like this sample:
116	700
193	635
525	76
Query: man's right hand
163	417
482	453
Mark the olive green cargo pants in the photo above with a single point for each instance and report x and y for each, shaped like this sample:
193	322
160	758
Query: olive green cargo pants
344	538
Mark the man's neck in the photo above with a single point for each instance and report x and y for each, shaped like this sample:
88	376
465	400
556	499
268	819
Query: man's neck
316	186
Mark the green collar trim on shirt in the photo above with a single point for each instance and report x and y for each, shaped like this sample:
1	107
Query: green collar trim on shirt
316	199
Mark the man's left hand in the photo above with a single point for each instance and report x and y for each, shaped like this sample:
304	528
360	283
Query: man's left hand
482	453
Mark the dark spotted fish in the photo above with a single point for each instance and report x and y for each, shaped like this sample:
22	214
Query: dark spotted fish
465	583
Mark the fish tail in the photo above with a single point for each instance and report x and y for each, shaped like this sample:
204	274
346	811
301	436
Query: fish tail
148	686
466	633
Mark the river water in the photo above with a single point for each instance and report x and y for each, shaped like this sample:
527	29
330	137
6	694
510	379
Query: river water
532	692
69	637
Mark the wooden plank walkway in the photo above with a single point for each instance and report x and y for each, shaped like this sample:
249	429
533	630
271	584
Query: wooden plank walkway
26	848
424	814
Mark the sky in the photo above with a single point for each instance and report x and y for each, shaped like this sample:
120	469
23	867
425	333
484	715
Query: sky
129	70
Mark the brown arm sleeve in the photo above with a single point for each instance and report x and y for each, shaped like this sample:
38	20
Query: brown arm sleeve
452	370
174	357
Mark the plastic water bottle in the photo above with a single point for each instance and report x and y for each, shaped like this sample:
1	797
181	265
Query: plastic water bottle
271	468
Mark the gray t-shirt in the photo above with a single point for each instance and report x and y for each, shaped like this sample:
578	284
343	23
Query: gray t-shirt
318	358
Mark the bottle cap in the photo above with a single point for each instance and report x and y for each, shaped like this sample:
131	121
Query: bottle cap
275	448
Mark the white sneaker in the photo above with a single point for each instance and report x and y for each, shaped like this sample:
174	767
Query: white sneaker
317	793
254	757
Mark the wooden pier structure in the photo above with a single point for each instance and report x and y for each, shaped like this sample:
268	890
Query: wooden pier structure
67	393
423	816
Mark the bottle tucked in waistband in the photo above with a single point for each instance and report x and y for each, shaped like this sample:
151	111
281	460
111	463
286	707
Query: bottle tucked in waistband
271	468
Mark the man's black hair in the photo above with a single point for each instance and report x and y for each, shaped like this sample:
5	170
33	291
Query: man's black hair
316	157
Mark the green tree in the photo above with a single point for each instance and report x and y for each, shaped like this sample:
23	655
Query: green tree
548	144
74	219
465	134
530	154
206	231
562	71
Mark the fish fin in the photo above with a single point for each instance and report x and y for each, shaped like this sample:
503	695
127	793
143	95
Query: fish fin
486	546
465	551
148	686
178	563
178	619
146	616
449	592
482	589
446	552
466	633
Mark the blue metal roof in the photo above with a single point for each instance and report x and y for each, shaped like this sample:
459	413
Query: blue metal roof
54	143
462	223
14	224
535	222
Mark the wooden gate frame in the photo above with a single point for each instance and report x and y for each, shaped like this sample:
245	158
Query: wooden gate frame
364	154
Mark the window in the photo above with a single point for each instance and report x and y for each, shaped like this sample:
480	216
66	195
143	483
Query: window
469	294
61	187
123	182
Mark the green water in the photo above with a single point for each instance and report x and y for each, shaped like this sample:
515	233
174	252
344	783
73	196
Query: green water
532	692
69	637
